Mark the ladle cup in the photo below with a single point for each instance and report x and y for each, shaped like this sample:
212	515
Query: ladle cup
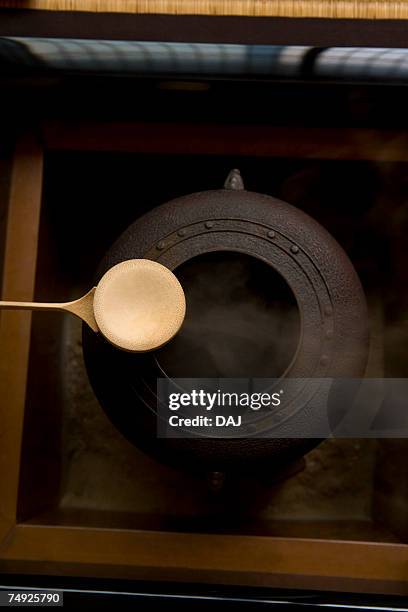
138	305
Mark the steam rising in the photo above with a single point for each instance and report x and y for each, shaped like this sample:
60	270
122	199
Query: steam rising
242	320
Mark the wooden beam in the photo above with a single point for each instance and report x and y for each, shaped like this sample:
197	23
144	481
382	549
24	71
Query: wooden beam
15	327
222	559
236	140
354	9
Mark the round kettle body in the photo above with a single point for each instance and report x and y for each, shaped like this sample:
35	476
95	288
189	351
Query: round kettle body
333	336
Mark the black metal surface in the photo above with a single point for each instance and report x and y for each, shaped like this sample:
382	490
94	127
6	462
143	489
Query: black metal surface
141	80
25	56
333	340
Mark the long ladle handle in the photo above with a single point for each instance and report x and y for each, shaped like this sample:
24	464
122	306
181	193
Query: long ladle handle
82	308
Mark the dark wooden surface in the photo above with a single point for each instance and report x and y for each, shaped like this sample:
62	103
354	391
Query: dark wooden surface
258	141
319	31
18	284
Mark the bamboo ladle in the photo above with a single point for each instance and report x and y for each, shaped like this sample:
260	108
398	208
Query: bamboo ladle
138	305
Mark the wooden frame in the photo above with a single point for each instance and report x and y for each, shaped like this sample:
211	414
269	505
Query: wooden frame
259	141
319	31
37	547
18	280
355	9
